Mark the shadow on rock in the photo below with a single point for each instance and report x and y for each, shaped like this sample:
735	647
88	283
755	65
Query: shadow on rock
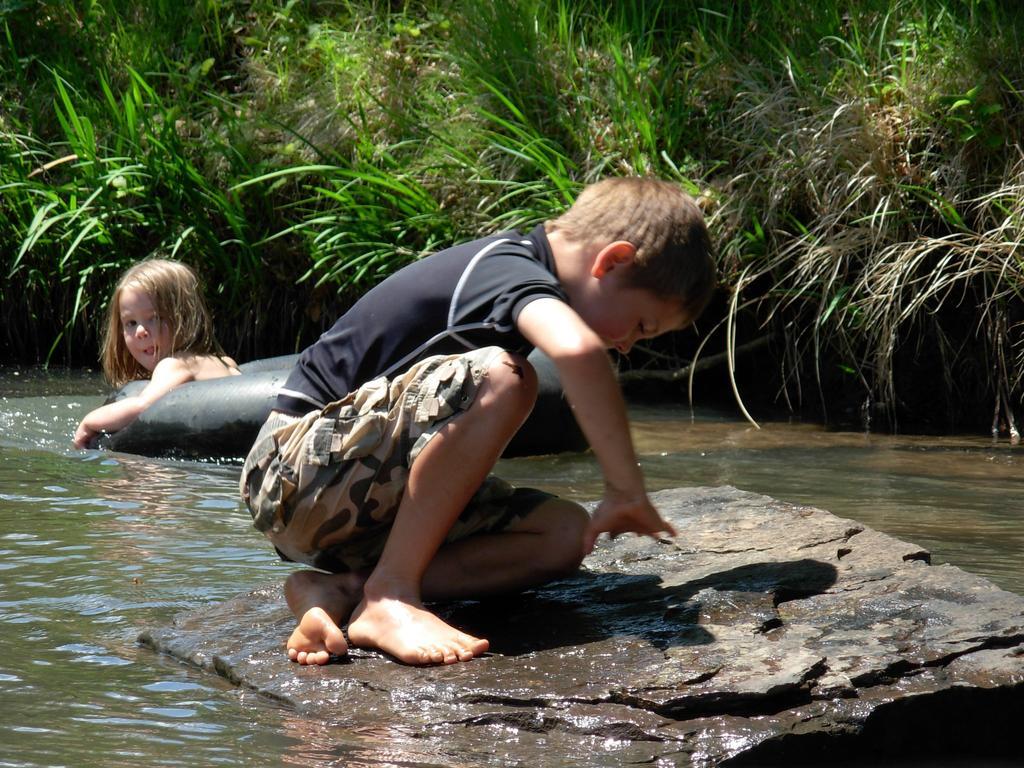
595	606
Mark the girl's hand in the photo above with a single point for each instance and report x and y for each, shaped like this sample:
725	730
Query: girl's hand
625	515
83	435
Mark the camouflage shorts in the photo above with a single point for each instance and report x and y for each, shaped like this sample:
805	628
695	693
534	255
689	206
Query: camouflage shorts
325	487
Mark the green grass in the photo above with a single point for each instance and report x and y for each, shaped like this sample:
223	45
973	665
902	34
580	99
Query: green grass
860	164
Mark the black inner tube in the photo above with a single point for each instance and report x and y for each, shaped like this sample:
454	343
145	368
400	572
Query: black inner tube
218	419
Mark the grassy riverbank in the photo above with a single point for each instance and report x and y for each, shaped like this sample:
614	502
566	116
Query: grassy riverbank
862	169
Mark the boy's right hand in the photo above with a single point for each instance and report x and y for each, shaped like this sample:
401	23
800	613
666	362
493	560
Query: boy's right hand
615	515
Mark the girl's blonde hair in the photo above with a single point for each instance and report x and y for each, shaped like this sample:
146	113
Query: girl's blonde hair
176	295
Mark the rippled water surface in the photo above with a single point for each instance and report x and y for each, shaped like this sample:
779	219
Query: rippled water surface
95	547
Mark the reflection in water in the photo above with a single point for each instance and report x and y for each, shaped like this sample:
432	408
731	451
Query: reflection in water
323	742
95	547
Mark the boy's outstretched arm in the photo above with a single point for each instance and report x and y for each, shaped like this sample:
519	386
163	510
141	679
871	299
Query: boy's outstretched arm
593	392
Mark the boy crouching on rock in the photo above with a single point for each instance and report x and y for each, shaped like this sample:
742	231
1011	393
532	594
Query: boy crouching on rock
374	466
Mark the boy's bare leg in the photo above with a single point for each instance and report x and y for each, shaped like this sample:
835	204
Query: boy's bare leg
391	616
544	545
322	603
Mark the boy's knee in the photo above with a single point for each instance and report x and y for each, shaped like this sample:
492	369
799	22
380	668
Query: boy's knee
564	523
512	376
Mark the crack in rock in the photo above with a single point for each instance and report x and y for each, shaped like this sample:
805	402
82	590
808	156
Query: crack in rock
905	668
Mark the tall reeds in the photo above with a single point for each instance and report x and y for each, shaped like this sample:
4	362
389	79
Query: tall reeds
882	230
860	164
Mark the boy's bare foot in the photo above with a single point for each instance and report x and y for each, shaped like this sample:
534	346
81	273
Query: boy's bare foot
321	602
410	633
316	639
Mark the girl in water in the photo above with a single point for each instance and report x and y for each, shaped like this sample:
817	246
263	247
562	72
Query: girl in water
158	328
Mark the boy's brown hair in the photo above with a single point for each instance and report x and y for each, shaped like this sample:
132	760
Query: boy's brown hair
176	295
673	249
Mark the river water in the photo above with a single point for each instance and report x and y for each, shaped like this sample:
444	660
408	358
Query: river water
95	547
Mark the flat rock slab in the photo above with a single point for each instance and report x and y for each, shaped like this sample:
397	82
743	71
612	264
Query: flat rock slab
766	633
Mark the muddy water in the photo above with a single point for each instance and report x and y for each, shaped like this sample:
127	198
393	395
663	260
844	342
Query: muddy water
961	497
95	547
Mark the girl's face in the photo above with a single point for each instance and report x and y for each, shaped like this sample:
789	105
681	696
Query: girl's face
146	335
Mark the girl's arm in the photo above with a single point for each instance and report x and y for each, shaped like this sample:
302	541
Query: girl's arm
168	374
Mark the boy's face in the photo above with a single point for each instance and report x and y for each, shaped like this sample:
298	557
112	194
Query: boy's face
627	314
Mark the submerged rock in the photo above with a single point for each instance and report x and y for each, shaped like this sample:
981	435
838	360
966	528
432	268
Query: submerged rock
765	633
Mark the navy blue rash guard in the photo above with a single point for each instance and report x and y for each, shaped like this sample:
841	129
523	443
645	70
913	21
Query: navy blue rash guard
462	298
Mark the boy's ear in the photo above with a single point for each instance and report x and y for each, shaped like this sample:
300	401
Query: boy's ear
617	254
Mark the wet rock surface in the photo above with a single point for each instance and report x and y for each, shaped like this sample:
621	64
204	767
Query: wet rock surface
766	633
